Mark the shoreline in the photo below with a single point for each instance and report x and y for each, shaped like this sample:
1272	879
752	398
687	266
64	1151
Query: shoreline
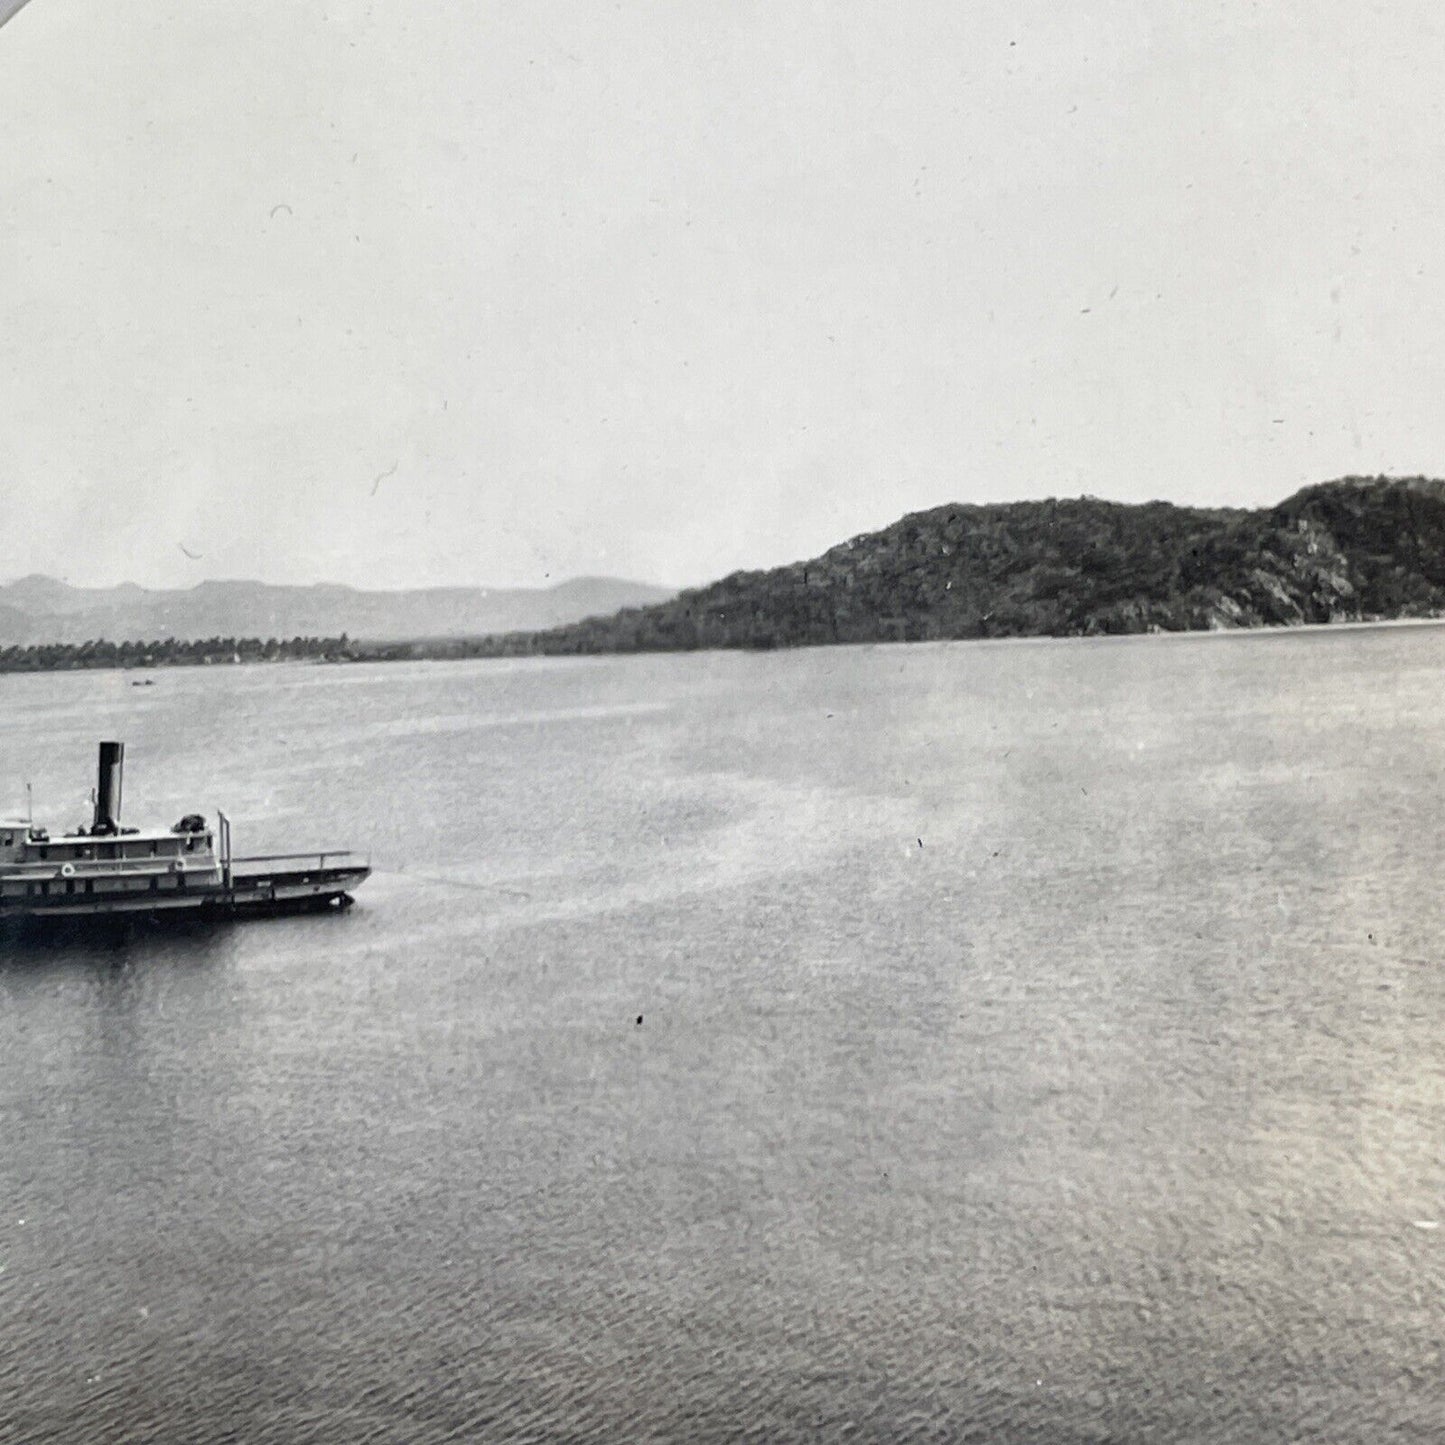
396	652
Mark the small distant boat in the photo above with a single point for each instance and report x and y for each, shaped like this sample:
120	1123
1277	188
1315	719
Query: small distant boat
185	871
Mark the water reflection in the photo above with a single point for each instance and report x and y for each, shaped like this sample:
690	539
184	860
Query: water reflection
114	944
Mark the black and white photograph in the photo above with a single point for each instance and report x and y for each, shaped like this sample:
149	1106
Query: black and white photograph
722	723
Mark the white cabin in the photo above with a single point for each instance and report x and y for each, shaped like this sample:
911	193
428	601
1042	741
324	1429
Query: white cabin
35	865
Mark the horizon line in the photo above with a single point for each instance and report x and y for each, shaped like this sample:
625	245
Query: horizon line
570	581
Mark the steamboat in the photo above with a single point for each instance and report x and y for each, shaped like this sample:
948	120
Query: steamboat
185	871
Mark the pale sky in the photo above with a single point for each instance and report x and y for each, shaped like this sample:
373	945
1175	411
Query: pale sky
403	294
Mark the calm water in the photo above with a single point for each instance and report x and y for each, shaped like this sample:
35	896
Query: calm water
1038	1042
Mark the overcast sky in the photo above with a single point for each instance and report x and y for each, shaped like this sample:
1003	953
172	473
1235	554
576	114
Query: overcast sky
398	294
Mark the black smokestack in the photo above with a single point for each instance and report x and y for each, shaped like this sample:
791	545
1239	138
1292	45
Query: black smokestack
107	790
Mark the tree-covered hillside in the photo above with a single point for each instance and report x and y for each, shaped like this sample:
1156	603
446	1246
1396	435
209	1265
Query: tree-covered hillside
1355	549
101	653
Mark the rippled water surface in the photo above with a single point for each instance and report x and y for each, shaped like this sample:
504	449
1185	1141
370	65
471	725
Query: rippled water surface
1027	1042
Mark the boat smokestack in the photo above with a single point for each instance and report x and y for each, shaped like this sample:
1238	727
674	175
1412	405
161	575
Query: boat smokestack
107	791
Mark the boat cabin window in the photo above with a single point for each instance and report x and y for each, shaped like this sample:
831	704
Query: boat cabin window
7	840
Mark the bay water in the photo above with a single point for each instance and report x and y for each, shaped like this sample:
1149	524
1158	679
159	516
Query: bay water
1033	1041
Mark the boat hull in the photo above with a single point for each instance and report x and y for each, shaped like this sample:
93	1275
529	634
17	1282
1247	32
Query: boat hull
247	896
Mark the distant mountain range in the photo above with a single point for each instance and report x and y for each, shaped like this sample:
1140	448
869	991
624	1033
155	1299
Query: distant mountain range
39	610
1356	549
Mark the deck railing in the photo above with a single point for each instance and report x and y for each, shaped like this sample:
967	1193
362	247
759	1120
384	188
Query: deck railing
194	863
87	867
340	858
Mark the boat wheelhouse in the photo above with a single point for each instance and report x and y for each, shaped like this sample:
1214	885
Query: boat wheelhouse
185	870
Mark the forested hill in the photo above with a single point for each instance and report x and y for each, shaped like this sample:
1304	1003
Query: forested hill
1361	548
